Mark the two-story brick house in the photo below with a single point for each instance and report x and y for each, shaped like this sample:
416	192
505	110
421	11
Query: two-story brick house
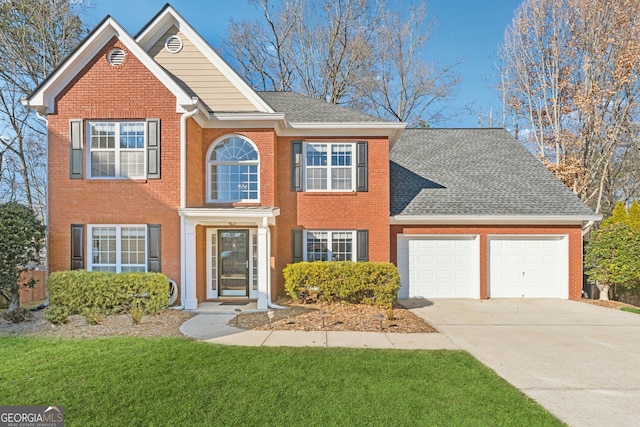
161	158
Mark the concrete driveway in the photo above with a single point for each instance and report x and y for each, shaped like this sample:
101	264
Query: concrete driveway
580	361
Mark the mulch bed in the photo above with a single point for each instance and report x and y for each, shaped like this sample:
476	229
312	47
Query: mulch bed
164	324
337	317
609	304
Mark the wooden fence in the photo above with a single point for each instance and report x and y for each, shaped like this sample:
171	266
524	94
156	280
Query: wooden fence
39	291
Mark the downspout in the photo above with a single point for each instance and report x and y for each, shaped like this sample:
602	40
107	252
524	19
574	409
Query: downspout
183	151
183	198
587	228
269	303
45	119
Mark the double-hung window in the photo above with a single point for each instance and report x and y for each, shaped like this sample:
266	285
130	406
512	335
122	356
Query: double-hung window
119	248
330	245
329	166
117	149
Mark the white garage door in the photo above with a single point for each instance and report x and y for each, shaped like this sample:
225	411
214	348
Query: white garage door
528	267
438	267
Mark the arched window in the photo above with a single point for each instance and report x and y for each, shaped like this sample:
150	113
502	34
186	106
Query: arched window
232	164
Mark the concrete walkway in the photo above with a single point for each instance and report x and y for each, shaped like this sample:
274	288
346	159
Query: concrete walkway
580	361
214	328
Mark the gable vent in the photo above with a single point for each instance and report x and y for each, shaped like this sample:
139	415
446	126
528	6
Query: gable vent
173	44
116	57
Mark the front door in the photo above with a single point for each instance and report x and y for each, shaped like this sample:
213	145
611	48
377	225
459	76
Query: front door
233	253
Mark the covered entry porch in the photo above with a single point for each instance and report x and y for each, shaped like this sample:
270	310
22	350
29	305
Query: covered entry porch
234	247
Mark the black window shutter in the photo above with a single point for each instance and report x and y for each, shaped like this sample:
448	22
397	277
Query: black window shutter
363	246
153	148
296	165
76	153
296	245
153	248
362	167
77	246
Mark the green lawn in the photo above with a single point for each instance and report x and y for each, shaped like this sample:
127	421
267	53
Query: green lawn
177	382
631	309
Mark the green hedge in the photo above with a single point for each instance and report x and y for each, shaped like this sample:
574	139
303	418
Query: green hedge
102	293
362	282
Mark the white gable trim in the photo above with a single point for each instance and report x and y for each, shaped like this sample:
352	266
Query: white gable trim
43	99
168	18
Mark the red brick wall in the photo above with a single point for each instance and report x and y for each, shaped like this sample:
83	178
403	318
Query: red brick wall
195	172
333	211
575	246
100	91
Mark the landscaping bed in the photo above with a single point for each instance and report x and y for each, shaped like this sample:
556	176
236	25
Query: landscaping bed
609	304
163	324
337	317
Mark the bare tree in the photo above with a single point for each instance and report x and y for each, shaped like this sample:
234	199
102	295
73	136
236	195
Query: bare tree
35	36
535	60
405	87
350	52
263	51
570	73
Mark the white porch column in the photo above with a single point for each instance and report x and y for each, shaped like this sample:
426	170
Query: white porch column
264	257
189	265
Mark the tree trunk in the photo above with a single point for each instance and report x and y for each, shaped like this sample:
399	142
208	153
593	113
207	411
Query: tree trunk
604	291
15	300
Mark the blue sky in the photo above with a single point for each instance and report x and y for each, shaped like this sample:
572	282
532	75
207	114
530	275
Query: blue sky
466	31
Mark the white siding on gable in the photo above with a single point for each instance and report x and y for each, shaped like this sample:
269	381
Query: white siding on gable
199	74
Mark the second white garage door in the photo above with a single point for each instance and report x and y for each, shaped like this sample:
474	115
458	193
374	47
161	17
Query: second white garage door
438	267
528	267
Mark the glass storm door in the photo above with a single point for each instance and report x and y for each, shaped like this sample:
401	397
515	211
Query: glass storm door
233	247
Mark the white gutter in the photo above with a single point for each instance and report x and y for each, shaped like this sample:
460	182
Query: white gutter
183	198
492	219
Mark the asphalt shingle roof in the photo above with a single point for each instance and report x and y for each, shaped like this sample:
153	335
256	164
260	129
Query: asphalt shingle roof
474	172
301	108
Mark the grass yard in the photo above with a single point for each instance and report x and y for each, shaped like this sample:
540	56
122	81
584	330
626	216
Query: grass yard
177	382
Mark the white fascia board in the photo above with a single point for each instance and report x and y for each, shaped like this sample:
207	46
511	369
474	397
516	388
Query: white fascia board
247	115
309	129
248	215
245	120
492	220
44	99
171	17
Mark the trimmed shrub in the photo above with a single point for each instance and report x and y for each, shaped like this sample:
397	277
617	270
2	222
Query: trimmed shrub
92	315
362	282
56	315
95	294
18	315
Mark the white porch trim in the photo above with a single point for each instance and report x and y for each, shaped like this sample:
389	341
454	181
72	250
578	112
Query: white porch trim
259	217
